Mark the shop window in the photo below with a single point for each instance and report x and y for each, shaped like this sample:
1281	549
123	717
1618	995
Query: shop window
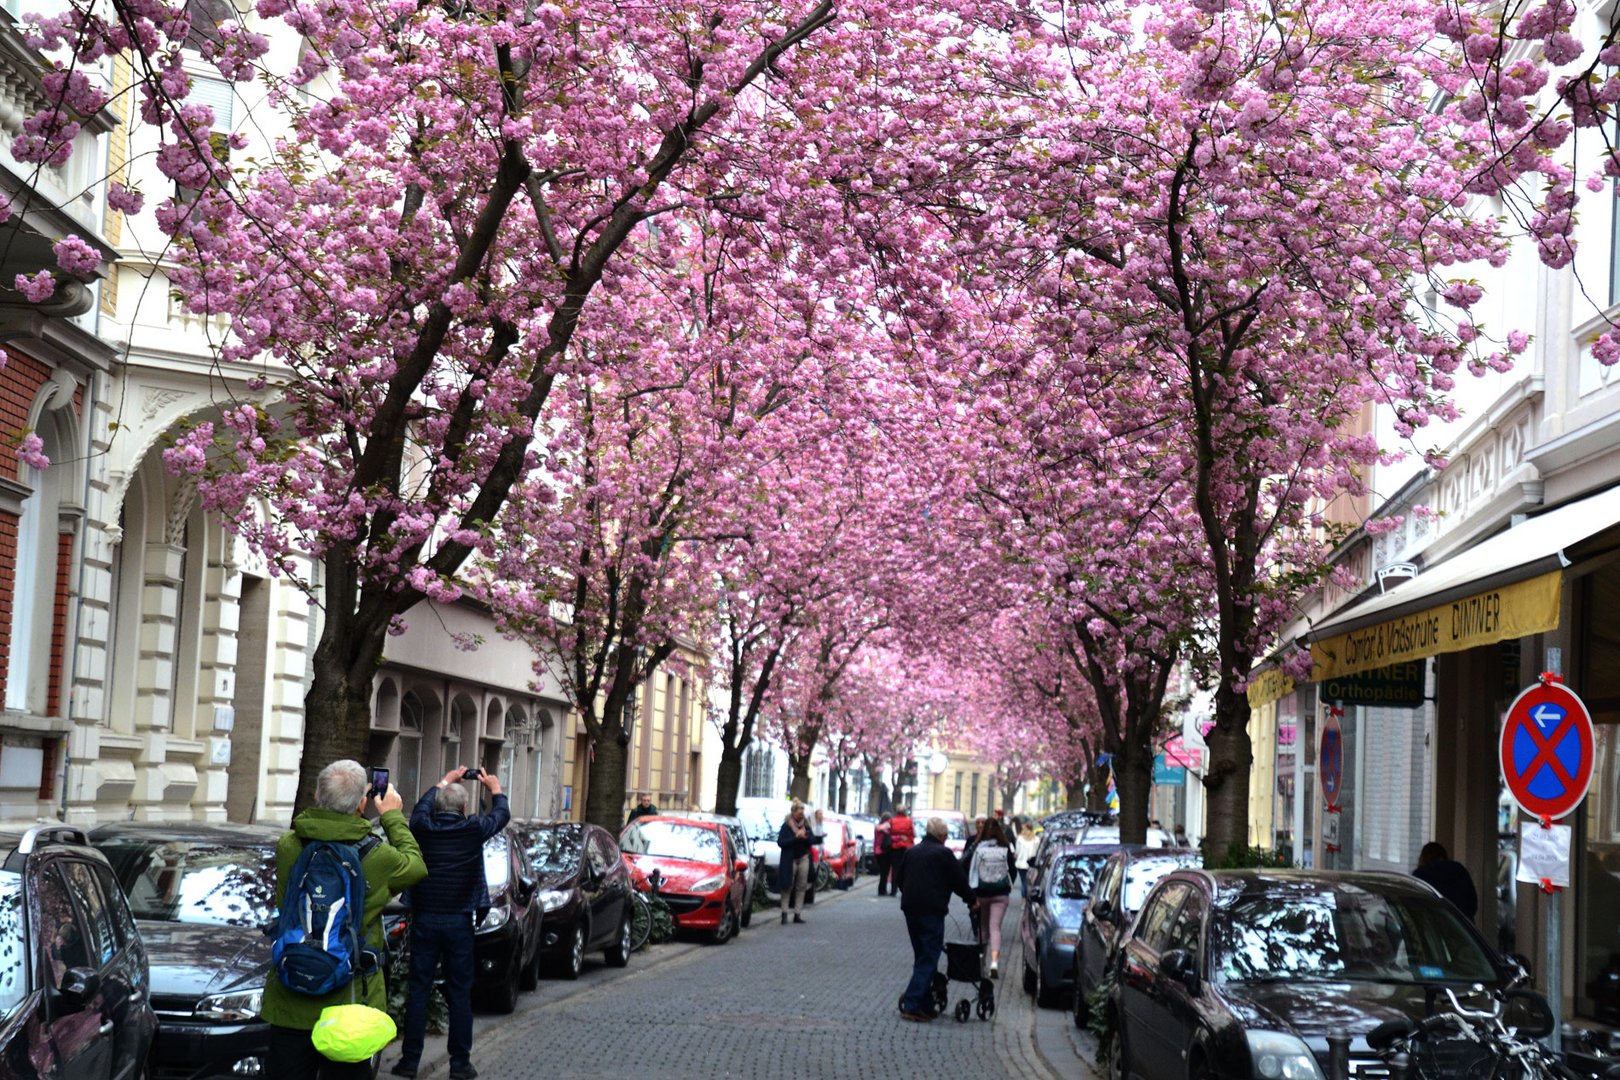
1597	985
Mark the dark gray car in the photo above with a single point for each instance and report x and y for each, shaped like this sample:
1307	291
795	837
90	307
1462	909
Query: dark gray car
1125	880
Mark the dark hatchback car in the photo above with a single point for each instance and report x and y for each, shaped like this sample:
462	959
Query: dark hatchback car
1246	972
1122	885
583	889
201	895
507	940
74	987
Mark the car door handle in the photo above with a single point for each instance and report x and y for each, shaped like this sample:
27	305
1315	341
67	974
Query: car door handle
105	1028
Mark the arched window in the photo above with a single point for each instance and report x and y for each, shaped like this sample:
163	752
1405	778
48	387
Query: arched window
411	712
759	772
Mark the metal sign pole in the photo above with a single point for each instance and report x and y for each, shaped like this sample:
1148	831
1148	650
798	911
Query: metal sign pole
1555	908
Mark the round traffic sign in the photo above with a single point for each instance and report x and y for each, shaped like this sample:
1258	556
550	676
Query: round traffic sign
1330	770
1547	750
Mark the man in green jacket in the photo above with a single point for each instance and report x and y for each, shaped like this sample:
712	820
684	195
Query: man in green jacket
341	795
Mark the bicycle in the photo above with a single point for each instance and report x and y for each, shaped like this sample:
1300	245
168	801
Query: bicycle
641	911
1496	1049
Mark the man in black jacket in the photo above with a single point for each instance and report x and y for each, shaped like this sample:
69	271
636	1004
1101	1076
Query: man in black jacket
1449	877
927	876
444	908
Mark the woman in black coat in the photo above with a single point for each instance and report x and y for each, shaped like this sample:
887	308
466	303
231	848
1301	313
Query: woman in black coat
793	870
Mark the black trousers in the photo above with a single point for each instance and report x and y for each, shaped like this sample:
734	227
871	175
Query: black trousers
294	1057
881	861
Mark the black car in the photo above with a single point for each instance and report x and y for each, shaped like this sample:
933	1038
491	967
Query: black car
1243	973
1121	886
583	888
201	895
507	940
74	986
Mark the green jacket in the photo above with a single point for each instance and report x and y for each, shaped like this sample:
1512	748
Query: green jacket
390	869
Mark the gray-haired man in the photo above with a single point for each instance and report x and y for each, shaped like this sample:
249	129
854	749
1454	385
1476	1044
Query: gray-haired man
443	909
927	876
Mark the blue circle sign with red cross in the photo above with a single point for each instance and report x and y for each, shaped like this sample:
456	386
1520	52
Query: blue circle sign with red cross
1330	772
1547	750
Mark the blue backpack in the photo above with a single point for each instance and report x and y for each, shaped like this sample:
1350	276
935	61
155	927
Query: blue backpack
317	946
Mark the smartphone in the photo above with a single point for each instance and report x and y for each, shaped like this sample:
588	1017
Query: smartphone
473	773
379	782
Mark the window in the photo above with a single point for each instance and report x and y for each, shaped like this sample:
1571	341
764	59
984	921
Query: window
1184	931
1108	884
101	942
974	786
956	794
759	773
1160	914
61	936
411	713
13	943
604	852
201	884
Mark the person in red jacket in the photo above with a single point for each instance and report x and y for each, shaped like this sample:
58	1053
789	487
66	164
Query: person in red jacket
901	838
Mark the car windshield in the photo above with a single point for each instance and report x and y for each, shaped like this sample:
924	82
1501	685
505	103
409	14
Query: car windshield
13	946
1075	875
196	882
497	864
1142	874
1316	932
955	827
672	840
554	849
758	824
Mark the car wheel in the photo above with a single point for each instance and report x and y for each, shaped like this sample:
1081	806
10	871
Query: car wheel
1119	1055
1045	997
1082	1008
618	954
748	909
1029	976
727	927
573	960
505	998
1197	1068
531	970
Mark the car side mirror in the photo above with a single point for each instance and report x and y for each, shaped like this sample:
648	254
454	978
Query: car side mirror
1178	964
740	866
1103	910
526	888
78	986
1516	966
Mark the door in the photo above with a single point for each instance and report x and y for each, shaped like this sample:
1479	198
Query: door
599	896
128	975
1141	995
1182	1008
79	1028
1097	934
616	886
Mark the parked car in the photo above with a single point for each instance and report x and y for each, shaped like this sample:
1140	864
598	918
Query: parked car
201	895
583	889
956	824
507	951
839	848
1246	972
744	846
703	877
1122	885
865	828
75	993
1050	922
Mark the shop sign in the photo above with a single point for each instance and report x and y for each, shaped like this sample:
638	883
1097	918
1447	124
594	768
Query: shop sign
1167	774
1512	611
1178	753
1399	685
1268	686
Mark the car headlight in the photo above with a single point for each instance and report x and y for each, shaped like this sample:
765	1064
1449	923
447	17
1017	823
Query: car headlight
236	1005
709	884
552	899
494	918
1280	1056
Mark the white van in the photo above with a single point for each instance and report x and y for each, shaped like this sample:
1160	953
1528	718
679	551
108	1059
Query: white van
763	818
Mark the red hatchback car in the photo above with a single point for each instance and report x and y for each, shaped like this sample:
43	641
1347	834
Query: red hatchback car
702	878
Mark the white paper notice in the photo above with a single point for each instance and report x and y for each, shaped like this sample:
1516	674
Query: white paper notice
1544	854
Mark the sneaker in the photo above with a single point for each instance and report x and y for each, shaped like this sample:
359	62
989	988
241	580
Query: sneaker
403	1068
916	1017
995	972
463	1072
798	918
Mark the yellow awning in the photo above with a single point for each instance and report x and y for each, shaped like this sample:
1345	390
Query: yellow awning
1500	614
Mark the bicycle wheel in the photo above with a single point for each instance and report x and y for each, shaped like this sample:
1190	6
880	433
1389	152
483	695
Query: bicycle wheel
824	877
641	920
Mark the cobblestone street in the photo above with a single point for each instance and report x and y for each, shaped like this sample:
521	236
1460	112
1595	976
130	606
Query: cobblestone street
816	1000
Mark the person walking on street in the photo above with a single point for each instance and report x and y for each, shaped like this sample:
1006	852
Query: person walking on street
644	808
445	909
1449	877
880	852
1028	845
793	871
966	859
342	791
901	840
990	877
928	875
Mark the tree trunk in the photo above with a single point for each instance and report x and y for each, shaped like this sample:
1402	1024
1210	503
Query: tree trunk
728	781
604	800
877	795
1226	784
1133	777
1097	788
799	788
843	792
1075	796
337	710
